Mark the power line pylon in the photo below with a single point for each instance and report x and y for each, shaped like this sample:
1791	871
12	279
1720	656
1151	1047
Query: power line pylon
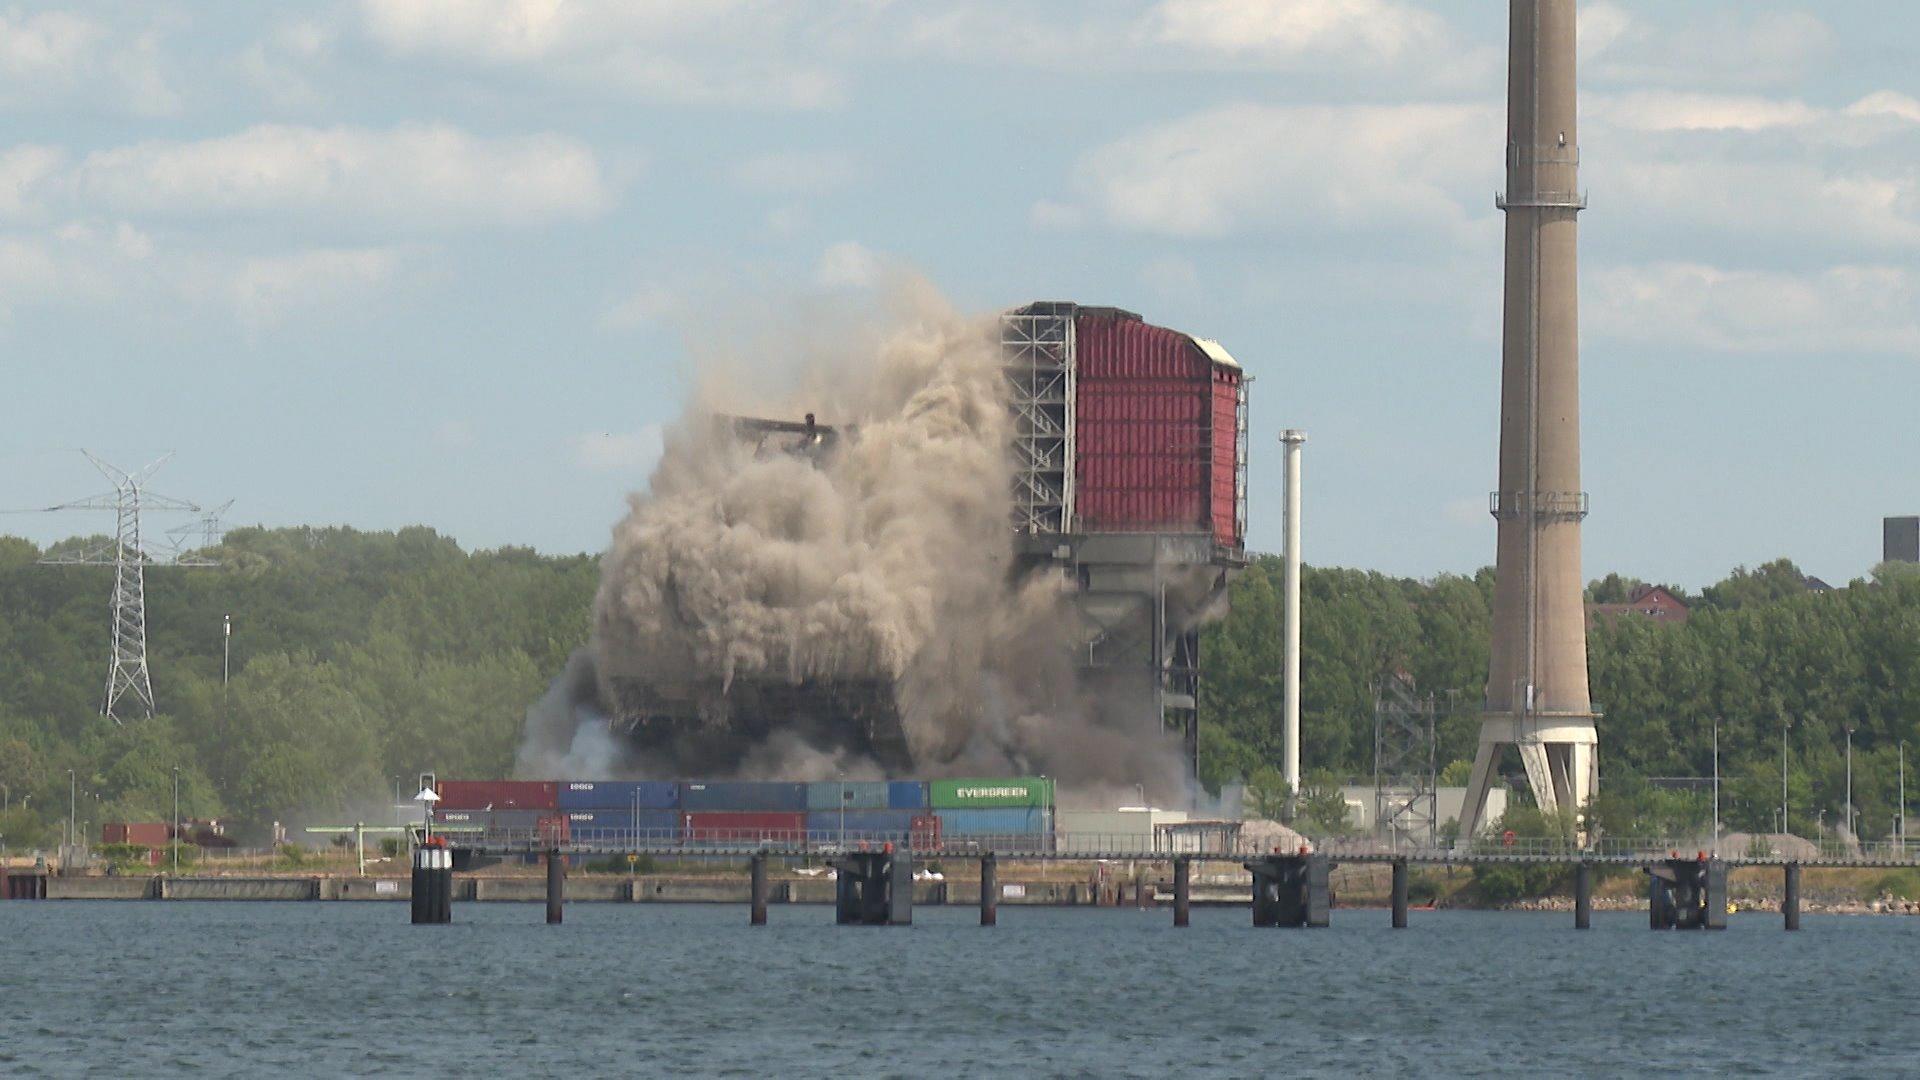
127	674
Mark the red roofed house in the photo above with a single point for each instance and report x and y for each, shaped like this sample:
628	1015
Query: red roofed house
1649	602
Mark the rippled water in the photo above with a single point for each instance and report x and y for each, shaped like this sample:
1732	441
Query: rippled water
342	988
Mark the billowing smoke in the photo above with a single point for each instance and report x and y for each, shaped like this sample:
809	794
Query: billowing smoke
879	557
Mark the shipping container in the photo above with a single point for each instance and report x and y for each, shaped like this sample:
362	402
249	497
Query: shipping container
906	795
498	795
743	795
619	795
1111	830
860	824
926	832
517	821
623	826
976	792
741	827
141	833
852	794
992	821
1156	429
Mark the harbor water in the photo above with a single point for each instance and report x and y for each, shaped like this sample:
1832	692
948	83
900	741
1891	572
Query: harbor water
233	989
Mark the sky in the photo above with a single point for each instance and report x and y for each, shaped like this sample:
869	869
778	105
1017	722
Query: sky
456	262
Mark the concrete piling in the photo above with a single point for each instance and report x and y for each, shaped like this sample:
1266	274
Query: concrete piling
758	871
556	885
1790	901
989	891
1583	896
1182	891
1400	887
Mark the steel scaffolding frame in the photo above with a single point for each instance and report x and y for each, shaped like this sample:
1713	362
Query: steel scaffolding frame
1405	775
1038	345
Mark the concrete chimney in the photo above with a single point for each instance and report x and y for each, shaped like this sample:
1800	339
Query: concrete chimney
1537	699
1290	676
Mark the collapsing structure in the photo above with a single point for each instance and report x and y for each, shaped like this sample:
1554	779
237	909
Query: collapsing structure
1130	481
1128	452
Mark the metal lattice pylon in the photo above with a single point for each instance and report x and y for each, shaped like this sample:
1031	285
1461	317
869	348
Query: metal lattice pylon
127	673
1405	781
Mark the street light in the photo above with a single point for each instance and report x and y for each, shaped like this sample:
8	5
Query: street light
1850	832
176	821
73	811
1716	787
1784	725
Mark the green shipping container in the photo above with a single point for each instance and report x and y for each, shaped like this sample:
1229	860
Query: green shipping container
973	792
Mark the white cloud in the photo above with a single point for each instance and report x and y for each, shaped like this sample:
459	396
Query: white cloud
624	450
708	52
24	172
1372	30
1314	168
56	56
848	265
1887	103
1662	111
114	265
267	289
801	172
407	176
1683	47
1873	309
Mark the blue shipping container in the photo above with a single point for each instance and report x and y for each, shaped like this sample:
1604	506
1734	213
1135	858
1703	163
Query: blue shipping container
860	824
743	795
993	821
852	794
906	795
619	794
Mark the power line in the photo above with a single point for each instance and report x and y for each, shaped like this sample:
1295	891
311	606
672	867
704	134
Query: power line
127	672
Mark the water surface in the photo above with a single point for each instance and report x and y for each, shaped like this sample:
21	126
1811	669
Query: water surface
230	989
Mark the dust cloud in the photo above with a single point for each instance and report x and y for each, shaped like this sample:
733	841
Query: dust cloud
882	555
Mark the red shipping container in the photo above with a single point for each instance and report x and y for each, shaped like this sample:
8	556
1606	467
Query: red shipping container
924	834
141	833
499	795
553	830
1156	430
743	826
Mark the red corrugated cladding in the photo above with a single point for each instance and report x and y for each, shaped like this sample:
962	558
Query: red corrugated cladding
143	833
499	795
1224	464
743	825
1155	430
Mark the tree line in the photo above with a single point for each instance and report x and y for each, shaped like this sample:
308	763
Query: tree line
1763	654
359	659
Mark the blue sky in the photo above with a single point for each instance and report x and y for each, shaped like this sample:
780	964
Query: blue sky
454	261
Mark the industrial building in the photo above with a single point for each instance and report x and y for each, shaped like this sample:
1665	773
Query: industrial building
1130	478
1129	454
1900	539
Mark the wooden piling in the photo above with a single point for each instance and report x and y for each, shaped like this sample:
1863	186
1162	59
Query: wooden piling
1790	901
1182	891
989	891
1583	896
1400	885
758	916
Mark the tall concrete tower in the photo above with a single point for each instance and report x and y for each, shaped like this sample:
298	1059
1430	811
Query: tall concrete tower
1537	696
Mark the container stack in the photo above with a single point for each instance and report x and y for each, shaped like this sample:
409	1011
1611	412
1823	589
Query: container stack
844	812
1003	814
1015	814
